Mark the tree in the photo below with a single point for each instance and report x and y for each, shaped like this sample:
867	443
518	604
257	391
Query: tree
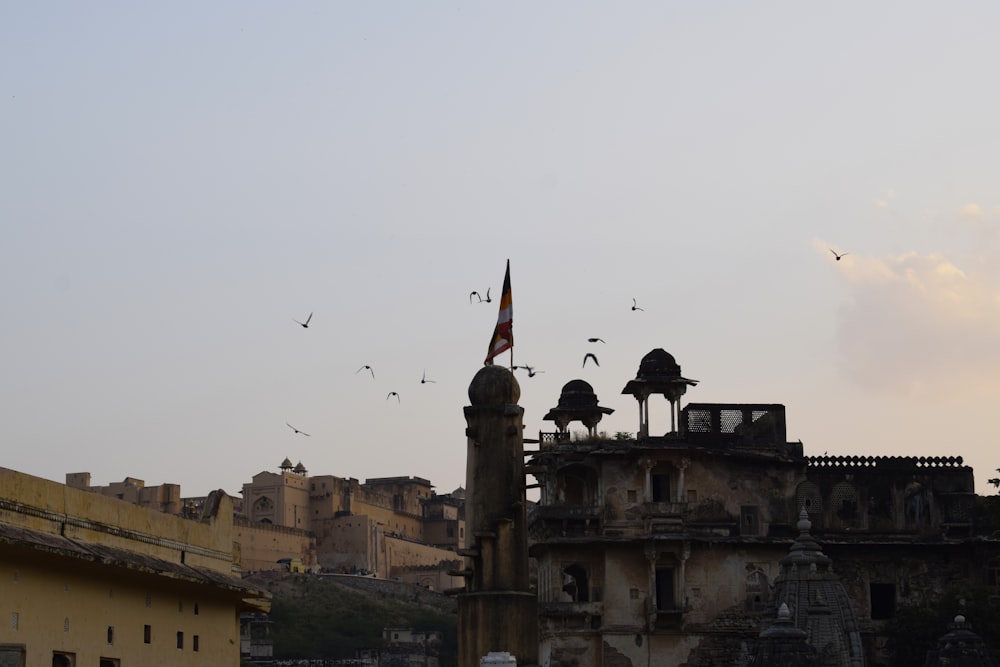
914	630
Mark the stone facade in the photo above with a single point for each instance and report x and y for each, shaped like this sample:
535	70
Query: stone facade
388	526
666	549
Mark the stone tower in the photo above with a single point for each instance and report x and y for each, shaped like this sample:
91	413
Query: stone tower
496	610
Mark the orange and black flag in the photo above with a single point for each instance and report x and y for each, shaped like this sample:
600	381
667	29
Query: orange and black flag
503	335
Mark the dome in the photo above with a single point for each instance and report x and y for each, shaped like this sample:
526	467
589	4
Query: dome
577	394
577	402
494	385
659	364
659	373
286	464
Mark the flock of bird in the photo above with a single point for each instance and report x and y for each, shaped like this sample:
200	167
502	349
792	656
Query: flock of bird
531	370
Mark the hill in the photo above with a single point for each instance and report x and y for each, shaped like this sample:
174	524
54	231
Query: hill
335	616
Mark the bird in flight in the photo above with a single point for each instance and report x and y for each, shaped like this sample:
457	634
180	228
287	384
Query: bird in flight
634	305
474	293
366	367
838	256
595	340
424	380
304	325
531	370
590	355
392	393
296	430
488	299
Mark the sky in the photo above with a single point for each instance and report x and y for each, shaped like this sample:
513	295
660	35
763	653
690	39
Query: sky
182	181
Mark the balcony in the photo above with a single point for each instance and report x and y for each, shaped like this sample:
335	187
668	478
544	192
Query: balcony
548	521
559	512
663	510
566	609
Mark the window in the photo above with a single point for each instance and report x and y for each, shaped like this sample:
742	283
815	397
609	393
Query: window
661	488
195	608
993	573
11	655
180	640
111	634
883	598
110	662
749	520
60	659
758	589
147	634
665	589
195	643
575	586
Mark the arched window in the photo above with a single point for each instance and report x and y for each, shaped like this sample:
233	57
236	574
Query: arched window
578	486
844	504
263	505
576	584
757	588
808	497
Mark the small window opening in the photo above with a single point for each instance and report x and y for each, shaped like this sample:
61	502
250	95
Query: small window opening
665	588
883	600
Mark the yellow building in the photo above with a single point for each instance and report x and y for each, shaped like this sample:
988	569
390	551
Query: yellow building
87	579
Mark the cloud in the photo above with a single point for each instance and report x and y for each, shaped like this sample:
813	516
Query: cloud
971	212
918	324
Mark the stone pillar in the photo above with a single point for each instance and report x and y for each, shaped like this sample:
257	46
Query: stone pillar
651	603
496	611
685	462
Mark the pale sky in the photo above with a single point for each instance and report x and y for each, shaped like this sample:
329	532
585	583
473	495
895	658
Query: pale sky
182	180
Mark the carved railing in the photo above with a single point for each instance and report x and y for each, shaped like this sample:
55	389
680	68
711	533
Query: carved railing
561	609
734	423
658	510
895	462
552	439
573	512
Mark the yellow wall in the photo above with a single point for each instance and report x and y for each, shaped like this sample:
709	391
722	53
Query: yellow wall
262	545
74	564
69	606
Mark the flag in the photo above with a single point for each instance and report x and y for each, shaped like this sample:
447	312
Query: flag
503	334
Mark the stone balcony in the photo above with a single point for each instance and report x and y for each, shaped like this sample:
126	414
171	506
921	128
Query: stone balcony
564	609
663	510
